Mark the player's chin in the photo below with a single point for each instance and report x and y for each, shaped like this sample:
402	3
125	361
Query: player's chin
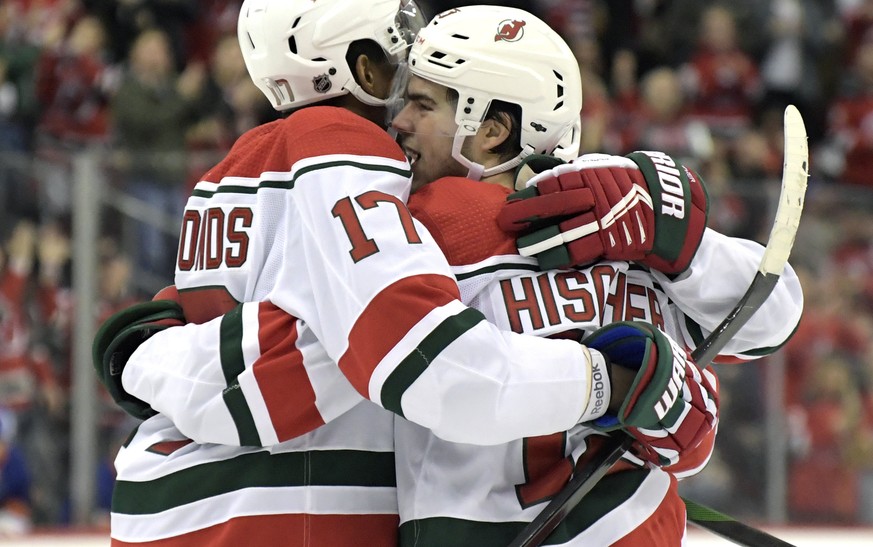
419	177
418	180
416	185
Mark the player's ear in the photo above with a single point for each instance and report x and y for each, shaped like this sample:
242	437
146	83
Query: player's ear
494	131
373	77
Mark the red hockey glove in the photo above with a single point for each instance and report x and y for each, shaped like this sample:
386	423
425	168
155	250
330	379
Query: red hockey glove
120	335
644	207
671	406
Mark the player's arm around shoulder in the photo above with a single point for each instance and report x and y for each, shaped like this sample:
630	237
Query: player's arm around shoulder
717	279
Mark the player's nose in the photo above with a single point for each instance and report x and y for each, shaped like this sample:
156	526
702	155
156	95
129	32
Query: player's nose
401	122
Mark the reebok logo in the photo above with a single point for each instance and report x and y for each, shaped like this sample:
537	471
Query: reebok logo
598	389
672	197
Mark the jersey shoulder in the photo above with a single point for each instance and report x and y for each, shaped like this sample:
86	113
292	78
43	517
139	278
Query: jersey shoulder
310	132
461	215
324	130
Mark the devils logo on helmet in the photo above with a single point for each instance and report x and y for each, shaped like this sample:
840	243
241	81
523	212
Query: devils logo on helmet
509	31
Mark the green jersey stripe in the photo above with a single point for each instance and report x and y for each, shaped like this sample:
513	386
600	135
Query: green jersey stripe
414	364
255	470
233	364
289	184
609	493
496	268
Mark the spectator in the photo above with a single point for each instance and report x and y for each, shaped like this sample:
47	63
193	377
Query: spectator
832	409
662	123
596	108
825	328
228	105
721	79
15	482
683	21
29	387
755	167
857	20
847	152
152	113
799	30
18	111
215	19
26	375
127	19
73	85
44	22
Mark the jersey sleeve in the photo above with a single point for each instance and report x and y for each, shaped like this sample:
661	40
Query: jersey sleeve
718	277
332	244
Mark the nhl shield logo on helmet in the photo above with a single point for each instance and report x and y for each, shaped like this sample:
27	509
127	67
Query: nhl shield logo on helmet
321	83
509	30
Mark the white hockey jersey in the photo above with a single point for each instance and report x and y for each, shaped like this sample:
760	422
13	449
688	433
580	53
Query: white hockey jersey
454	494
459	495
305	220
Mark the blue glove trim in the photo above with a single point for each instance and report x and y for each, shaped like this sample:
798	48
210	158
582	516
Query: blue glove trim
607	422
623	343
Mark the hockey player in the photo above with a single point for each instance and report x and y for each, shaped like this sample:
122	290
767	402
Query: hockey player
456	494
439	510
305	221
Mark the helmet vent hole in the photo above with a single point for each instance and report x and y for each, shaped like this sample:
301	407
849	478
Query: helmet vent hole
460	37
252	42
434	62
558	75
294	25
560	91
559	105
437	58
292	45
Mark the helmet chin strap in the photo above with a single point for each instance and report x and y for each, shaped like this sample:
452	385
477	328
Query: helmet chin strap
477	171
361	95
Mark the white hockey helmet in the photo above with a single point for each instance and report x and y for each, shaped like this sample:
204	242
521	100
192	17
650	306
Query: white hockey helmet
295	50
491	52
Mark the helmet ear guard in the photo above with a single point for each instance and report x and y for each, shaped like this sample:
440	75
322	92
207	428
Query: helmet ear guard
570	145
490	53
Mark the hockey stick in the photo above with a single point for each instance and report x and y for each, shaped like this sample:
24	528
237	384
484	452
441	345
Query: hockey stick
791	197
730	528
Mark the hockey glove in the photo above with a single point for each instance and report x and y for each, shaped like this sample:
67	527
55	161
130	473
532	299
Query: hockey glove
671	405
121	334
644	207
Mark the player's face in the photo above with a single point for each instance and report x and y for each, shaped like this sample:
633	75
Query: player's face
426	129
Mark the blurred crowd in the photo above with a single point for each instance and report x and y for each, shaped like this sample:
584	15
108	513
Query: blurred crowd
160	89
